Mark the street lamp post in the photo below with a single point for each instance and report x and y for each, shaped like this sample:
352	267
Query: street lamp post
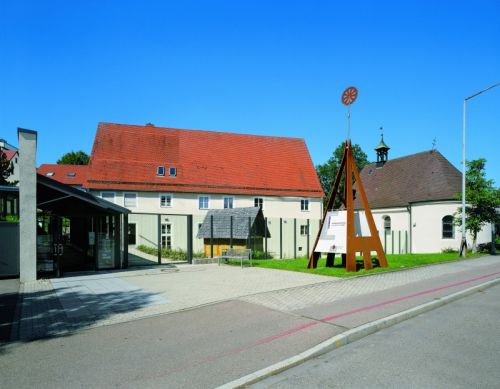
463	245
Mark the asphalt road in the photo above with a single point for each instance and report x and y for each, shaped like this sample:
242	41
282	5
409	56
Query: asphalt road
456	346
200	348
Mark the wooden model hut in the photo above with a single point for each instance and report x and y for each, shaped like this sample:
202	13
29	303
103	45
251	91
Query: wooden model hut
233	228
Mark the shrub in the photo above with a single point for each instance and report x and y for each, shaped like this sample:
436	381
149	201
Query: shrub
257	254
176	255
449	250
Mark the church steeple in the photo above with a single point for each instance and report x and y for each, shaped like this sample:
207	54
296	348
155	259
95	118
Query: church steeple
382	150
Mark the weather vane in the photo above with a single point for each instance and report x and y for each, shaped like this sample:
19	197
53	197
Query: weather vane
348	97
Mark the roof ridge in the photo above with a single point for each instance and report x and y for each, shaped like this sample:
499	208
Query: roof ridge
201	130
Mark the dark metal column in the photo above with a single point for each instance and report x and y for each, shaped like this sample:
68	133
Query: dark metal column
231	231
211	236
159	240
295	239
265	237
190	238
125	241
117	238
308	235
281	238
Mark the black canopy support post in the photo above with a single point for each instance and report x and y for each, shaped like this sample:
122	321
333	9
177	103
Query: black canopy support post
308	236
265	237
211	236
96	229
249	244
159	240
231	231
295	238
281	238
125	241
189	231
117	238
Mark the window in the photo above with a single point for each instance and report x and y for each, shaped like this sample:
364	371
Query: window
228	202
304	205
387	224
166	242
304	230
160	171
71	174
49	174
166	236
109	196
172	171
165	200
448	230
203	202
130	200
258	202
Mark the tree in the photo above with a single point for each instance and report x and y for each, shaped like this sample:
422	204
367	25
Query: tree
6	169
74	158
328	171
481	197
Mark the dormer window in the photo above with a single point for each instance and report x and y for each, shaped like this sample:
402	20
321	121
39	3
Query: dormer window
49	174
160	171
172	171
71	174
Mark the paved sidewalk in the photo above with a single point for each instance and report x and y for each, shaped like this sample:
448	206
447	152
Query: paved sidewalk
61	306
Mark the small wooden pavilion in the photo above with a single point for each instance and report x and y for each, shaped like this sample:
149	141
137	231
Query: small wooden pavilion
233	228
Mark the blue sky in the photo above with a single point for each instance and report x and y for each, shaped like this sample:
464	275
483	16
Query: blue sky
260	67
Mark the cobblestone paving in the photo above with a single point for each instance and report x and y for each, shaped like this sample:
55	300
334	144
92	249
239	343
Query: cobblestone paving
298	298
39	313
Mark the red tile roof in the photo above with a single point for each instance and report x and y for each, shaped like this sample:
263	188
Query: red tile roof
64	173
9	153
126	157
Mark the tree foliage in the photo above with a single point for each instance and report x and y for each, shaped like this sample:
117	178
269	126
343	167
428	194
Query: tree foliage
6	169
481	197
328	171
74	158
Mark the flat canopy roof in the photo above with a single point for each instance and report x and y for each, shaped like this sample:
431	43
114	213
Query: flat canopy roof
65	200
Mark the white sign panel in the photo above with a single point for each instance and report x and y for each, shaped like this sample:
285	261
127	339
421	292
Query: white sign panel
334	231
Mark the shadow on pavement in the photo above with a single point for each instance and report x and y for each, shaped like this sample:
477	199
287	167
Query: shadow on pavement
50	313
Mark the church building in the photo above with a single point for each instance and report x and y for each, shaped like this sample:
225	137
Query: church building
414	201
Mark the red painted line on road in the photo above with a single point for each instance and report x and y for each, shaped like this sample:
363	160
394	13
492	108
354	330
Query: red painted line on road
237	350
371	307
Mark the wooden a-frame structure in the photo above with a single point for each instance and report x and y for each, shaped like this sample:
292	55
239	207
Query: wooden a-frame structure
354	244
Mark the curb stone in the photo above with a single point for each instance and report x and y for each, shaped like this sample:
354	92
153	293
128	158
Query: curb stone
353	335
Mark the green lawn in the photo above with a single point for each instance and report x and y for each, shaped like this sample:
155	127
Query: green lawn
395	261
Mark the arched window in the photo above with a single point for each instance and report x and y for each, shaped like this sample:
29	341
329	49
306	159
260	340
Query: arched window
387	224
448	230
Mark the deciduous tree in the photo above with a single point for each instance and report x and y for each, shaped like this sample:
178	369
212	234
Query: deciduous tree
74	158
482	199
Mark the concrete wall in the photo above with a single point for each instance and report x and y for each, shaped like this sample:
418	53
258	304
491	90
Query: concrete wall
27	204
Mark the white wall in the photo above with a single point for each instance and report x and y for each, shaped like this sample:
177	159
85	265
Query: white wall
427	232
15	175
187	204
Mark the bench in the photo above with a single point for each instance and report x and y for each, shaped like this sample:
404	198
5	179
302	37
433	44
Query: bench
233	253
